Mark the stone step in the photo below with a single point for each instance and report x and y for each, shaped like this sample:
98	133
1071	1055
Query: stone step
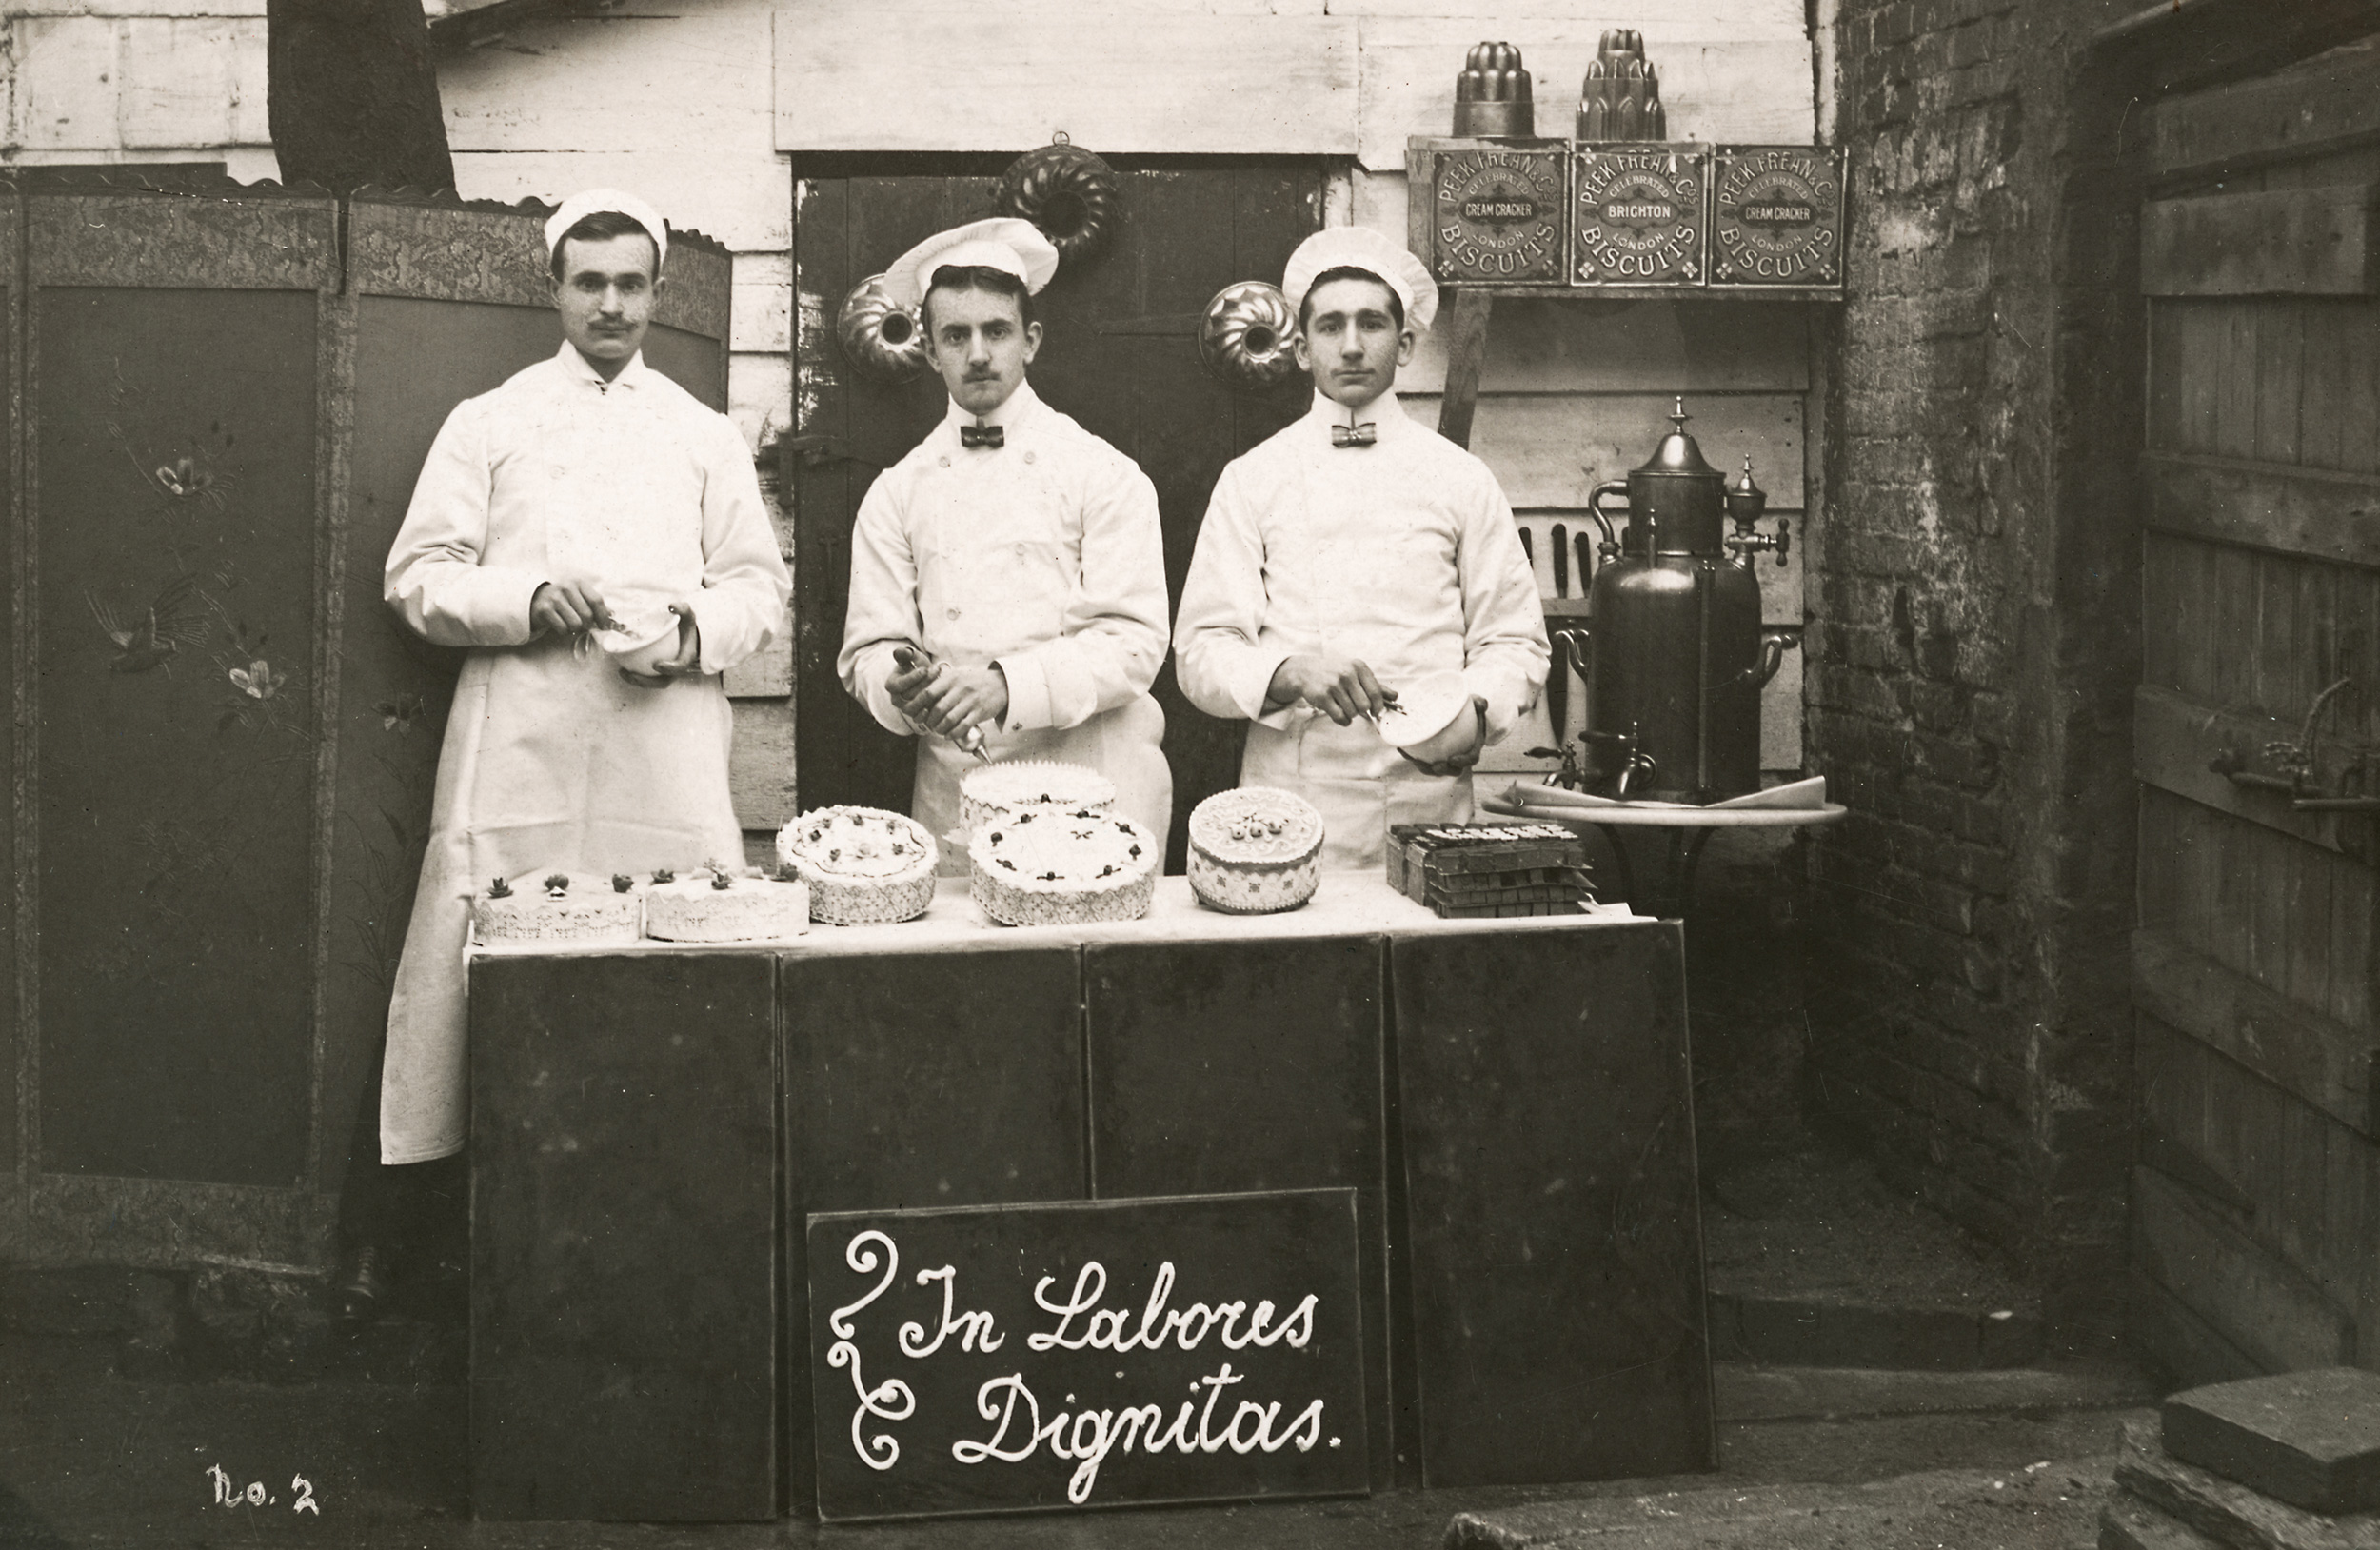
1825	1332
2311	1439
1749	1393
2130	1524
2227	1511
2053	1502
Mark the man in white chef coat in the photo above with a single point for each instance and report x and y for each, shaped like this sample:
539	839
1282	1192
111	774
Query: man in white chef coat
1353	554
1014	555
544	506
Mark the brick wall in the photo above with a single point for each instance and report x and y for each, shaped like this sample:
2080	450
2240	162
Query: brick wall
1971	644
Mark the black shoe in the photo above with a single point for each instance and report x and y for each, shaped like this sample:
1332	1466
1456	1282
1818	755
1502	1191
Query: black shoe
361	1287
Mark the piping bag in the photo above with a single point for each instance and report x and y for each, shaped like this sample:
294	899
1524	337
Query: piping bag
908	658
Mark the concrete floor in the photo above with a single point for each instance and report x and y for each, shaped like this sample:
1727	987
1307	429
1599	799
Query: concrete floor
2005	1460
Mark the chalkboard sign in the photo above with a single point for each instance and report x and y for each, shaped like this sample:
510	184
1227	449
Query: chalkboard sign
1086	1354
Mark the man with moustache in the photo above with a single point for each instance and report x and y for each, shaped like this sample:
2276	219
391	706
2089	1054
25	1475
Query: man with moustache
1012	556
585	498
1353	553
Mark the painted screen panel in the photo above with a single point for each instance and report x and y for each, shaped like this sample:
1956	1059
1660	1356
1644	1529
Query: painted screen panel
175	582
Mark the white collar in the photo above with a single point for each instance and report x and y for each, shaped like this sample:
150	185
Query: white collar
1015	409
580	368
1382	413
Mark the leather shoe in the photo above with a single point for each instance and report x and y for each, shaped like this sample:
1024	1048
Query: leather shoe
362	1285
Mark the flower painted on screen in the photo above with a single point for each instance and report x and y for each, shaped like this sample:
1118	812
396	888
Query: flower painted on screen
398	715
258	681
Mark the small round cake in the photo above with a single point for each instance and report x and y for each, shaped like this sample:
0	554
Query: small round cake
1005	789
696	908
1254	850
557	908
1061	866
864	867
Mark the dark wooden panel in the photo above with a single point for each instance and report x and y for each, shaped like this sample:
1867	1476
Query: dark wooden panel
624	1218
11	1020
1246	1066
2295	113
695	362
2284	242
2261	1306
176	806
415	360
2319	514
2291	1045
1548	1135
955	1079
2174	738
1270	1277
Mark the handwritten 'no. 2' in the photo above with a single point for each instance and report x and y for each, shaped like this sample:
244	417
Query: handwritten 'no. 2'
1089	1435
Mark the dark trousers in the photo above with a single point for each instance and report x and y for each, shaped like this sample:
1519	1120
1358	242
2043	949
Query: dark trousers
417	1214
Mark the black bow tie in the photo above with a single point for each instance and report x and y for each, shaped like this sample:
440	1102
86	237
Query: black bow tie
1362	435
981	436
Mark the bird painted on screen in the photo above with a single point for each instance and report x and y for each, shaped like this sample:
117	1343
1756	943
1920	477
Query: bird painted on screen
169	624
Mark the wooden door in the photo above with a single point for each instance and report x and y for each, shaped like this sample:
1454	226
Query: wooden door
1120	355
2256	1197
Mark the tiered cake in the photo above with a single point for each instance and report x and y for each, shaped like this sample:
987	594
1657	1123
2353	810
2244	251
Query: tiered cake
1060	866
1486	871
716	905
863	865
557	907
1254	850
1005	789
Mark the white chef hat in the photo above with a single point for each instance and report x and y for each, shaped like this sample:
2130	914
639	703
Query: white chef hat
588	202
1360	247
1002	243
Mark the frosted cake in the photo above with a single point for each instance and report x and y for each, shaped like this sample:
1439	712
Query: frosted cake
716	905
1254	850
863	865
557	907
1056	866
1005	789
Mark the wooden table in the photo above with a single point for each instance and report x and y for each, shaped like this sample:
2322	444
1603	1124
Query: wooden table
1509	1100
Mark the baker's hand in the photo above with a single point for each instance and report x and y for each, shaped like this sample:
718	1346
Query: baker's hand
1339	688
566	606
687	659
959	698
906	686
1458	764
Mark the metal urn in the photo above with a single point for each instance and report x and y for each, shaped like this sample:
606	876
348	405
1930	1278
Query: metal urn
1674	652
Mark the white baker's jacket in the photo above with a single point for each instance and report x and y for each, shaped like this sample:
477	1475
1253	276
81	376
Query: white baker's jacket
1043	555
1403	555
552	762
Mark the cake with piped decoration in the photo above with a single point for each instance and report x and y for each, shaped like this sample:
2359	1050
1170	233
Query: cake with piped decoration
717	904
1007	788
558	906
1062	867
1254	850
863	865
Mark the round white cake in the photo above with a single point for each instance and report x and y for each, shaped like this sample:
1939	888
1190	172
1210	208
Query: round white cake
1003	790
864	867
1060	866
747	909
583	909
1254	850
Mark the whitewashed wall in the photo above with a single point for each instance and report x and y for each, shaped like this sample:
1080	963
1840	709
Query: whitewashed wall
134	81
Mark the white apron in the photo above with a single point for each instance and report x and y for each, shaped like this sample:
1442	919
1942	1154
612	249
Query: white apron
550	764
1359	784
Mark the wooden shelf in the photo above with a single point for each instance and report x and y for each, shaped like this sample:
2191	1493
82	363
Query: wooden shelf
1652	293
